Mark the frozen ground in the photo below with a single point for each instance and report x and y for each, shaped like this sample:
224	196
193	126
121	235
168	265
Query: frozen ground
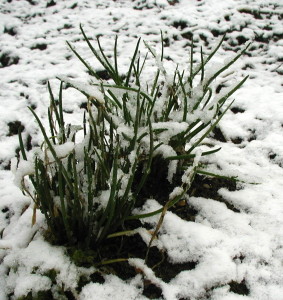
245	245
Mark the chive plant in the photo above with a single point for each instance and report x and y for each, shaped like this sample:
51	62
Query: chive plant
87	189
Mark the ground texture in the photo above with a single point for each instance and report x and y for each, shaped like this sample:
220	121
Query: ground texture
226	243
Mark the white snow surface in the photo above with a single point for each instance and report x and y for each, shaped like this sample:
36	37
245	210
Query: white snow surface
241	245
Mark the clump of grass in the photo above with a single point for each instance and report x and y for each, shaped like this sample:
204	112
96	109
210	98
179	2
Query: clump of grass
88	188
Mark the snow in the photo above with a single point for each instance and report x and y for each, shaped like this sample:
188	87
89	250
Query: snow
92	91
27	268
24	168
113	288
226	245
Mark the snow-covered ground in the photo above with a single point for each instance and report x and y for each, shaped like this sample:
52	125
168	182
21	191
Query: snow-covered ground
243	246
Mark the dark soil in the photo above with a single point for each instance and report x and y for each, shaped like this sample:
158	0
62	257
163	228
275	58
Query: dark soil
15	127
7	59
188	35
237	110
219	88
39	46
173	2
5	165
10	30
129	247
255	13
181	24
50	3
185	211
218	135
42	295
207	187
237	140
74	5
28	143
151	189
239	288
103	74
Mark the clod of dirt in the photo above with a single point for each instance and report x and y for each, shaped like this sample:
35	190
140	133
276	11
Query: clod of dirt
160	191
43	81
41	295
241	39
5	209
5	165
255	13
227	18
204	38
237	110
185	211
173	2
103	74
166	43
188	35
252	137
74	5
83	105
28	143
277	36
215	32
151	291
219	88
239	288
7	59
262	39
272	155
39	46
240	258
10	30
15	127
237	140
50	3
31	2
207	187
168	271
95	278
68	26
142	4
181	24
218	135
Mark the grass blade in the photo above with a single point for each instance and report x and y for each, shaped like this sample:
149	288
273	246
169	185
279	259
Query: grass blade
132	63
